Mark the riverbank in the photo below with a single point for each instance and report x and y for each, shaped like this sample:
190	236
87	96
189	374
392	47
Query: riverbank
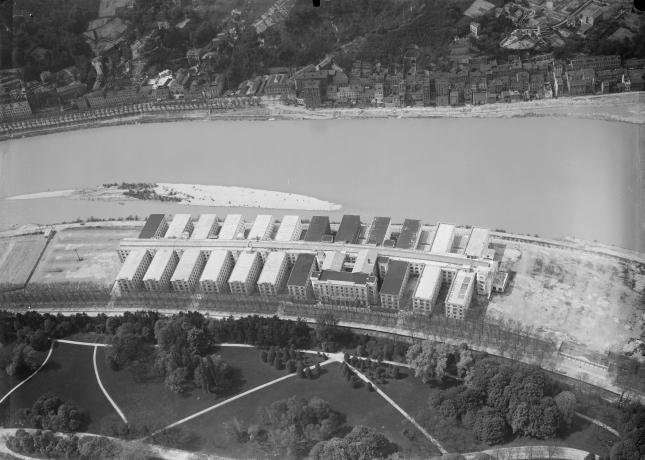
190	195
621	107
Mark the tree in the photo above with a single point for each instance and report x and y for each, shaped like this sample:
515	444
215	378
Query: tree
176	380
566	404
264	356
430	360
490	426
300	369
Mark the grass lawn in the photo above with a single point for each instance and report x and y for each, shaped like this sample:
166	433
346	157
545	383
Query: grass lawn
69	374
147	401
412	395
360	406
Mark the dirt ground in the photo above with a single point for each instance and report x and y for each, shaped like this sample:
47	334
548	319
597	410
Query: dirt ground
97	248
18	256
592	300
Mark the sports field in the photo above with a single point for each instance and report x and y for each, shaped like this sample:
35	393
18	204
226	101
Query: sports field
81	254
569	295
18	256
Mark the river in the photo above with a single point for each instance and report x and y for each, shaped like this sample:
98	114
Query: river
549	176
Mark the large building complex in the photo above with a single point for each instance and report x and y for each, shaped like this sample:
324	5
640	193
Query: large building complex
190	266
245	273
460	295
274	274
214	279
131	274
157	277
387	266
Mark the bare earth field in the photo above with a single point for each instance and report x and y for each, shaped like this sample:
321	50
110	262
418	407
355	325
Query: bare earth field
96	247
569	295
18	256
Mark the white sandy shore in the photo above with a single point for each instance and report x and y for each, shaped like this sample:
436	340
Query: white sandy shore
52	194
199	195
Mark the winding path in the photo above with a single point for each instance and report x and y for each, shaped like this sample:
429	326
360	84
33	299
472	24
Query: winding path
49	353
107	395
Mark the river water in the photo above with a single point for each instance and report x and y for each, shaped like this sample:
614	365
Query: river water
549	176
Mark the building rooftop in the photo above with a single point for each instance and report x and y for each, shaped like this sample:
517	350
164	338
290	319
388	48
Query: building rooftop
204	227
365	261
429	280
301	270
443	238
396	272
131	264
318	227
230	226
151	225
409	234
287	226
186	264
333	260
350	227
272	266
460	286
242	267
343	277
177	226
477	242
260	225
214	265
159	263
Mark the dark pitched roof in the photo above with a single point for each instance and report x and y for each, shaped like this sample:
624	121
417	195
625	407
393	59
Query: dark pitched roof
151	226
409	232
396	272
332	275
350	227
318	227
301	270
378	230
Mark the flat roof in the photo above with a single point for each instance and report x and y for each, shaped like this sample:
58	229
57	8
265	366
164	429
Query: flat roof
204	227
159	263
477	242
443	238
318	227
378	232
177	226
344	277
152	224
460	286
333	260
229	227
396	271
131	264
260	225
409	234
301	270
242	267
272	266
287	227
186	264
350	227
429	281
214	265
365	261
